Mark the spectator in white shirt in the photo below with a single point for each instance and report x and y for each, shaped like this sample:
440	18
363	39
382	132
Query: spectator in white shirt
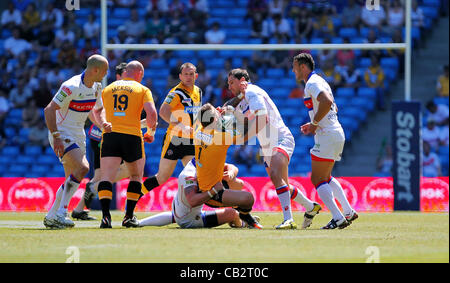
275	27
215	35
437	112
161	6
53	15
64	34
11	17
15	45
135	26
91	28
373	18
431	164
431	134
395	17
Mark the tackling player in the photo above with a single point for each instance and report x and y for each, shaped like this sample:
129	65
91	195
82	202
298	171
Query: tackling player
123	102
276	141
65	117
329	140
180	109
200	181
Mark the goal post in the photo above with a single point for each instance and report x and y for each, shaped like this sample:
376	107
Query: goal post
105	46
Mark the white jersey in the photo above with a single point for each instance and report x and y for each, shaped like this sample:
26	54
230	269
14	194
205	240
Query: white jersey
75	101
276	132
315	85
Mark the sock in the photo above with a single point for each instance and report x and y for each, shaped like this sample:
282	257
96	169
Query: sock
105	197
160	219
70	187
149	184
133	195
285	201
300	198
326	195
56	202
339	194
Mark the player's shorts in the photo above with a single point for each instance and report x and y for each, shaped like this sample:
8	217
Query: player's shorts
129	147
328	145
184	215
70	142
283	142
175	148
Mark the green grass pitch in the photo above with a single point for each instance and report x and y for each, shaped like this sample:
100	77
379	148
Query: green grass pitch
374	237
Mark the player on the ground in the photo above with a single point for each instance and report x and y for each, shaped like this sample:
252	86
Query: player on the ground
276	141
123	102
179	110
95	136
65	117
329	140
200	181
188	178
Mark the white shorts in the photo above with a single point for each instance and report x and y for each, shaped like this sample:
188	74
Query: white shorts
328	145
185	215
283	142
70	142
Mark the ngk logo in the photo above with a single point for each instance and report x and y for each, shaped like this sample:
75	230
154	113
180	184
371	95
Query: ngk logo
381	193
433	195
378	195
30	194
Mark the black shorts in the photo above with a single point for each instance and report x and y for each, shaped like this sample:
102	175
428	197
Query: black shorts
95	146
129	147
177	148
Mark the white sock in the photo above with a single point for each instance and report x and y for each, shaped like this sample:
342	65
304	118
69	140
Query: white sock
339	194
160	219
285	201
70	187
300	198
326	195
56	202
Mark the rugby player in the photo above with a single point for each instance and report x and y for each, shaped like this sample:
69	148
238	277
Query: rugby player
276	141
179	110
65	117
122	103
329	140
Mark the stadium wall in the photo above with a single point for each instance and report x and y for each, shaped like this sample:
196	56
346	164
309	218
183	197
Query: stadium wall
369	194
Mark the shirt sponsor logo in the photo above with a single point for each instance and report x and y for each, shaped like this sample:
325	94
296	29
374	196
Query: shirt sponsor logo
82	105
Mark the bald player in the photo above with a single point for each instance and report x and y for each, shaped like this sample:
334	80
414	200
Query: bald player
65	117
122	104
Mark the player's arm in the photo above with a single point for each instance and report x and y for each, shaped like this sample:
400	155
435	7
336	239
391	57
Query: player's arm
230	176
195	197
100	117
151	121
50	121
92	119
165	112
325	103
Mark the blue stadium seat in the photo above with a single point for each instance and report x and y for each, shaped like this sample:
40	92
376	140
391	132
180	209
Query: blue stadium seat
120	13
11	151
17	170
275	73
345	92
348	32
365	62
367	92
430	12
49	159
353	112
40	170
349	124
389	63
361	102
24	160
390	74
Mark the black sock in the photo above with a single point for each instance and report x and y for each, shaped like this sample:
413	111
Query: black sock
105	196
150	183
133	192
